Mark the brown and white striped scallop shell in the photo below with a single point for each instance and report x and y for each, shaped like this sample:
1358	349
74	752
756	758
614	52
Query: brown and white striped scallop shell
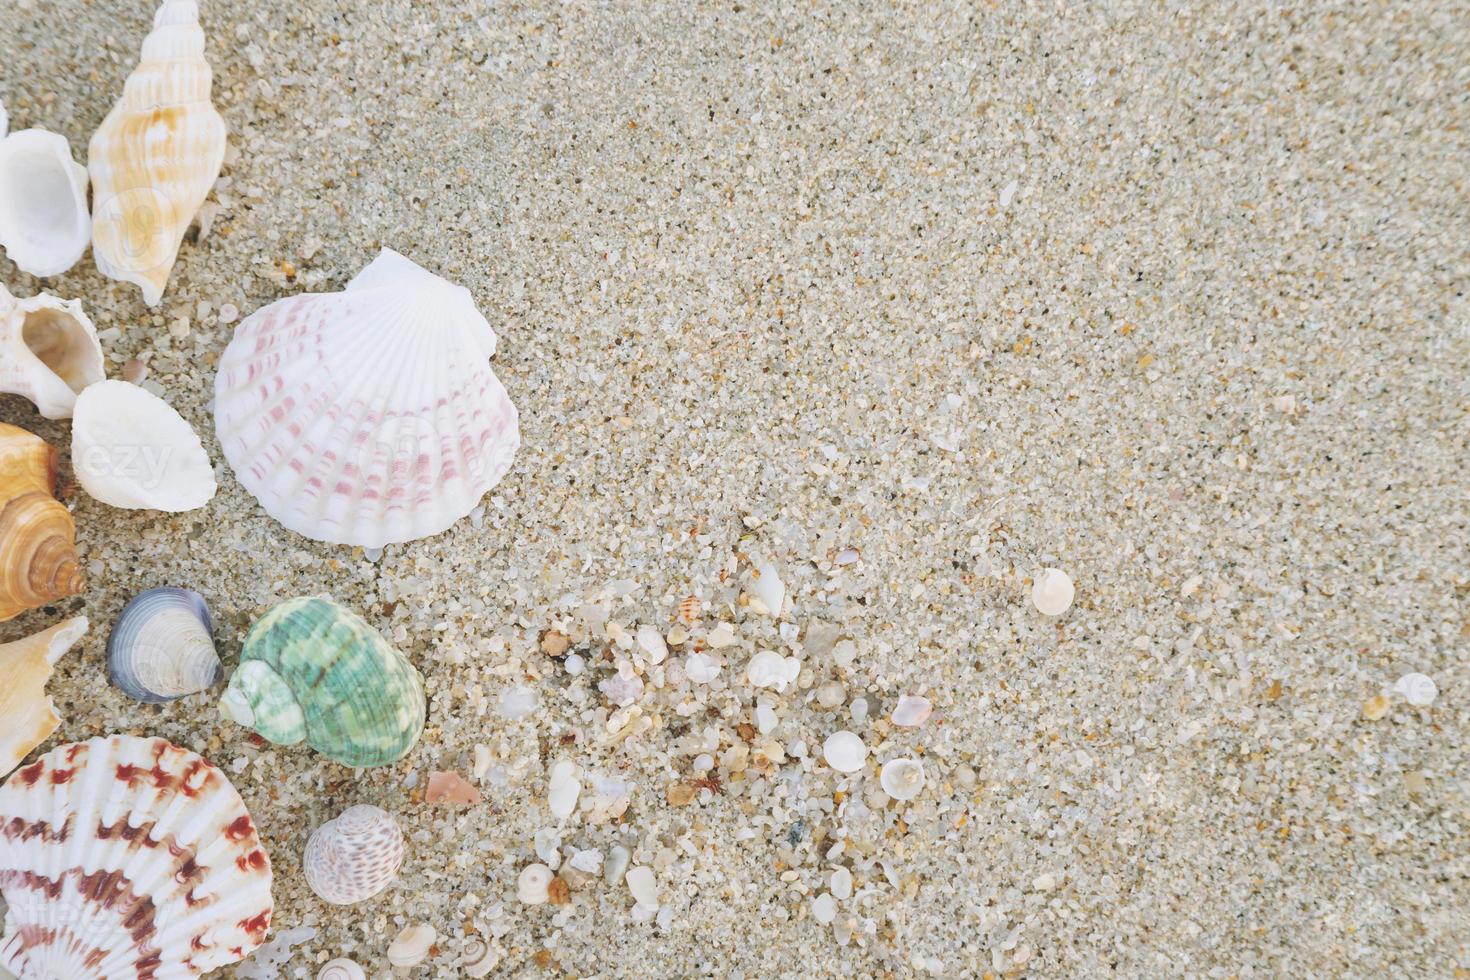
126	858
356	856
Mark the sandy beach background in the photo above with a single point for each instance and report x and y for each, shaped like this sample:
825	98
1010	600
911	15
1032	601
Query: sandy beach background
910	300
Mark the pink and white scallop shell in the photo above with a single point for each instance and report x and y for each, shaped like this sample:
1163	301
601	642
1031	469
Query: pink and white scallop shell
126	858
356	856
370	416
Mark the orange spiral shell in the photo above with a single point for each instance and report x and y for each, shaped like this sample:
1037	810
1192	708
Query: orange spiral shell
38	549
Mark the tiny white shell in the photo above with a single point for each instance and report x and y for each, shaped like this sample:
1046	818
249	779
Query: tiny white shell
478	959
129	448
766	585
912	711
533	887
341	969
412	945
643	886
563	788
44	222
845	751
651	642
1417	689
769	669
354	857
902	779
701	668
1052	593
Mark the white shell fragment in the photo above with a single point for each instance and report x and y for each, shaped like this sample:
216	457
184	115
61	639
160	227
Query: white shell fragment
1417	689
563	788
701	668
902	779
770	669
767	587
1052	593
354	857
48	352
44	222
371	416
651	642
845	751
130	449
911	711
644	886
156	155
533	887
824	909
341	969
412	945
162	647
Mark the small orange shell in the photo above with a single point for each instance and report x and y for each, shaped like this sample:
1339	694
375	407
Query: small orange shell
38	545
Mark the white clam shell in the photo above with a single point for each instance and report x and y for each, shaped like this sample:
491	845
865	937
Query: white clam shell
902	779
48	352
162	646
412	946
156	155
354	857
911	711
341	969
130	449
1052	592
845	751
370	416
128	858
44	222
769	669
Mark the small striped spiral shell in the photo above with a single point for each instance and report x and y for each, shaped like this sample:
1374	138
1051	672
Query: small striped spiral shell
356	856
342	969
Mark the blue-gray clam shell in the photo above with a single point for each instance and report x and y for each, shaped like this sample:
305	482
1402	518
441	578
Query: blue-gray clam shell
162	647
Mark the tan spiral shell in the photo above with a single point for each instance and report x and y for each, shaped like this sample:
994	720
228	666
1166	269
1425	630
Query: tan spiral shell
156	155
38	550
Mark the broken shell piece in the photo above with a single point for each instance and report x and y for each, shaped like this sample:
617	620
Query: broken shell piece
412	946
563	789
48	352
644	886
38	551
770	669
29	717
902	779
450	787
130	449
767	587
533	887
354	857
341	969
911	711
1052	593
162	647
701	668
651	642
1417	689
845	751
44	222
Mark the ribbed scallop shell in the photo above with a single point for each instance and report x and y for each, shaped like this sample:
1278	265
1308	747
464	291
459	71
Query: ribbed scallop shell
370	416
44	222
162	646
38	548
354	857
27	716
48	352
314	671
156	155
128	858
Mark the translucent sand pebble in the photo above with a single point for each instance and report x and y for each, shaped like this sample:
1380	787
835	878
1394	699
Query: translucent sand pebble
643	886
902	779
616	864
844	751
1417	689
563	788
911	711
533	887
841	884
824	909
1052	593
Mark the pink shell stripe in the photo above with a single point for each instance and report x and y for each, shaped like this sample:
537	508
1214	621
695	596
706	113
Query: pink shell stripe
357	419
128	858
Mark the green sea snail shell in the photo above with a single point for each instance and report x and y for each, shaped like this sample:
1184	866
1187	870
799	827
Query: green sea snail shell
316	672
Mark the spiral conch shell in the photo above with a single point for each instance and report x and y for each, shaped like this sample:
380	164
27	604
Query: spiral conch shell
156	155
27	716
356	856
128	858
38	551
48	352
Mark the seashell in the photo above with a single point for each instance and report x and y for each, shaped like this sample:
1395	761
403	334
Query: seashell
341	969
412	946
563	788
533	886
367	417
128	858
845	751
44	222
902	779
130	449
766	587
312	670
28	715
162	647
354	857
450	787
769	669
48	352
912	711
1052	592
477	959
38	551
156	155
266	962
